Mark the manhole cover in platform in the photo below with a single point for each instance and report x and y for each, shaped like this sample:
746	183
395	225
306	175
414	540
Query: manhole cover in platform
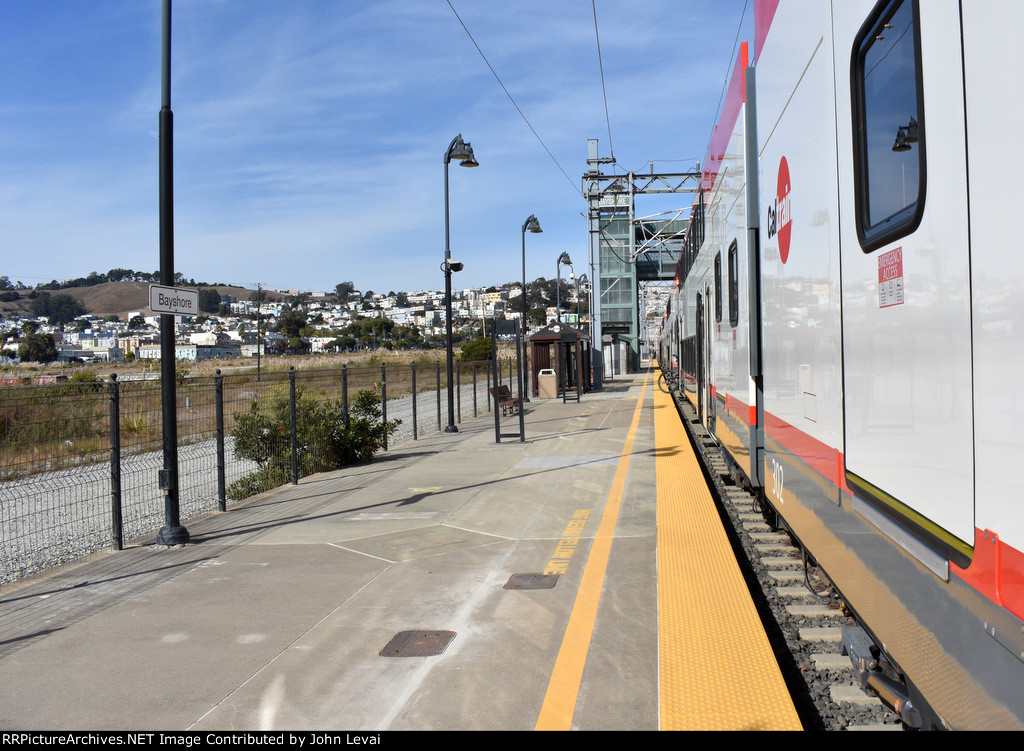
418	644
531	581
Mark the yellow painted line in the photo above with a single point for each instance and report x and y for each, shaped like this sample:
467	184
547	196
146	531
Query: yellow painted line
563	688
716	666
566	546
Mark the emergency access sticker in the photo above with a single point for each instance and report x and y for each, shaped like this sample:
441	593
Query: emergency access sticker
890	278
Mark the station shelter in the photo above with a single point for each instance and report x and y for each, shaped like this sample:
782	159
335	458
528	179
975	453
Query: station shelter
566	350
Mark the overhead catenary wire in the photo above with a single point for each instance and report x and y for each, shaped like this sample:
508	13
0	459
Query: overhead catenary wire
732	60
604	90
511	99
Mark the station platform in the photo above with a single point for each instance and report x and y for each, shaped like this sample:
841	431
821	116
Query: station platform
577	580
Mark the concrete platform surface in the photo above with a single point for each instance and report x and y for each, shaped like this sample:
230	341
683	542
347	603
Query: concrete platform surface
274	617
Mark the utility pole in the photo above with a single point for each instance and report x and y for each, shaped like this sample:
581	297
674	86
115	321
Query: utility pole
259	326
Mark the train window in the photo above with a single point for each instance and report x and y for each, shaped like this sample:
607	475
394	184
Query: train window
888	124
700	218
734	284
718	287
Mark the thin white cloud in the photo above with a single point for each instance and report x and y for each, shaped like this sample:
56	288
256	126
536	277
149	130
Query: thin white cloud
309	136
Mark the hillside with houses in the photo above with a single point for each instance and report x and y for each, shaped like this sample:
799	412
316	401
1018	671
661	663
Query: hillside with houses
108	321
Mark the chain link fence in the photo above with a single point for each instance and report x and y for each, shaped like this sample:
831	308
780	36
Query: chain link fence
79	463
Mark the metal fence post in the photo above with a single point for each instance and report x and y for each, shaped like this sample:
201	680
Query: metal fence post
295	433
474	390
218	391
115	462
384	400
497	382
414	436
489	368
344	393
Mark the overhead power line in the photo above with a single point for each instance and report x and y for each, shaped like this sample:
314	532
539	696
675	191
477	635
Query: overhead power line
511	99
604	91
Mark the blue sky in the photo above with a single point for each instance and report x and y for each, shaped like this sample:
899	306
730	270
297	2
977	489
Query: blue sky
309	135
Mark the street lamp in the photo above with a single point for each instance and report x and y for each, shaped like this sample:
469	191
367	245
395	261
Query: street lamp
563	260
533	225
463	152
582	282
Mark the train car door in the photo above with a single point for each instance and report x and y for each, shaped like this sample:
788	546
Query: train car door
699	346
709	361
906	294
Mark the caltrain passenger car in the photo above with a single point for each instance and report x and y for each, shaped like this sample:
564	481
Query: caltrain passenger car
848	320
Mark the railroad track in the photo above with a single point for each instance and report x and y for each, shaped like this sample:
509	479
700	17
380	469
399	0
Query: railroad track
801	611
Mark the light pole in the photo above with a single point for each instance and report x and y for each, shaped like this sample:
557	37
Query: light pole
563	260
172	533
463	152
533	225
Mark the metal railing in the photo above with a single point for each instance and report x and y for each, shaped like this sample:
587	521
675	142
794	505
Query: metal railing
79	462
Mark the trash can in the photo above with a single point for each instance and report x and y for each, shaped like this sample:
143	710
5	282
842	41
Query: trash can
547	383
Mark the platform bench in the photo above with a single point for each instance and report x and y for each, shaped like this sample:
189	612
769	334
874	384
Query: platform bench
508	403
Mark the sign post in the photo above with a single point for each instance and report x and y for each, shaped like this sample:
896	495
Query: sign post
167	297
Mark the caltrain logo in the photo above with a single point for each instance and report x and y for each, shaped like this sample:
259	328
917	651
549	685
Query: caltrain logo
779	220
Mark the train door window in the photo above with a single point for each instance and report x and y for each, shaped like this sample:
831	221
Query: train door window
718	287
888	124
734	284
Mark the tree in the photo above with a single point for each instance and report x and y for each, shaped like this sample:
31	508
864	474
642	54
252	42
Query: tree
209	300
537	316
37	348
345	342
344	289
478	349
291	322
60	309
119	275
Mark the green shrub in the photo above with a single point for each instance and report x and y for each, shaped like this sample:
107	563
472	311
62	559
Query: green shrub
478	349
323	439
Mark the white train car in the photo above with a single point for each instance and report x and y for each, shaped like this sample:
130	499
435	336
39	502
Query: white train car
710	334
863	372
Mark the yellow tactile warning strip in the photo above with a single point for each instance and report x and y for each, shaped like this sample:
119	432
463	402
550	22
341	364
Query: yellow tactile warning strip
717	670
560	700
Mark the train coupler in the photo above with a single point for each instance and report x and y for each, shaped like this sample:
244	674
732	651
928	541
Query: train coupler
869	666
